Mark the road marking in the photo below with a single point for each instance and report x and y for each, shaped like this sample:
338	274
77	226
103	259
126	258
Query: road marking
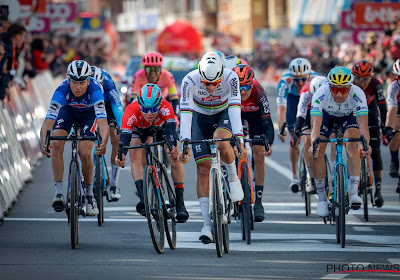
279	168
363	229
335	276
394	261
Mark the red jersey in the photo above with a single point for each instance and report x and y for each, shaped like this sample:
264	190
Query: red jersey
256	101
132	116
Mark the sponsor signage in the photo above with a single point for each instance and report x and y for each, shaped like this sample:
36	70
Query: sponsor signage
376	14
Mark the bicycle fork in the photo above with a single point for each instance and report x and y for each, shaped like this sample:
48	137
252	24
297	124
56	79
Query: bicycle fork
215	166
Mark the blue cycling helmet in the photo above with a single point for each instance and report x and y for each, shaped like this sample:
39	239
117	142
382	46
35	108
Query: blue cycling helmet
150	96
340	76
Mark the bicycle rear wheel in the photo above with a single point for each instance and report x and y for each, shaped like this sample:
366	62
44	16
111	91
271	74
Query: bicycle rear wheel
169	204
216	214
342	204
303	184
98	188
364	185
74	203
246	203
153	208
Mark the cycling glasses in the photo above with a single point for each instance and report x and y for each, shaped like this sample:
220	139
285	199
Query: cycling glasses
336	90
362	80
153	110
303	79
149	69
245	87
216	83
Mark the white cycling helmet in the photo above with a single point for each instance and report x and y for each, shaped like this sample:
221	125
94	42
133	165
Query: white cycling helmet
396	67
231	61
97	74
300	67
211	67
79	70
316	83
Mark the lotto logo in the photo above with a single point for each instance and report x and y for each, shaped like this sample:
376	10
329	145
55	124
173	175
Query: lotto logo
197	148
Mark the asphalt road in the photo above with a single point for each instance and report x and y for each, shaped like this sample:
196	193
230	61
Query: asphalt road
35	241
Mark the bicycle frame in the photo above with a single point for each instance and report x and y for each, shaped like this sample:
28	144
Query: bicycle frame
240	177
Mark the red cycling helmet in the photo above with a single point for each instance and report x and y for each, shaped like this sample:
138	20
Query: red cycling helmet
363	68
152	59
245	73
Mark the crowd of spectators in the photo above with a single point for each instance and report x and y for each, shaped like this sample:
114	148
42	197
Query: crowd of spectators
24	53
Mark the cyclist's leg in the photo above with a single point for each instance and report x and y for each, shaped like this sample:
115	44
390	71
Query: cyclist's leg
61	127
307	159
294	154
353	159
202	128
377	167
224	130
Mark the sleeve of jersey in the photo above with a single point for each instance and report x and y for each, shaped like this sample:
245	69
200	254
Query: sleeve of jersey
283	89
234	107
263	104
316	108
379	93
127	122
186	104
58	100
97	99
391	98
305	98
116	105
172	92
361	103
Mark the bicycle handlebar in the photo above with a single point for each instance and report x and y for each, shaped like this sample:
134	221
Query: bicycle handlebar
263	139
114	123
339	141
297	136
141	146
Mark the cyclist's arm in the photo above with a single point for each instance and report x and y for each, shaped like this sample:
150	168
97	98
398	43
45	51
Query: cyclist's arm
362	122
186	105
169	131
281	101
263	104
381	102
234	106
129	120
316	116
116	106
391	116
361	110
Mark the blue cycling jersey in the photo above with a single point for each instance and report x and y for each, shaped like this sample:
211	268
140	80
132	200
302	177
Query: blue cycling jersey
111	95
286	86
63	96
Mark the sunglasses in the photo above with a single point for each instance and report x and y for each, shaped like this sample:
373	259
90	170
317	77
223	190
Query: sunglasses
216	83
245	87
362	80
296	80
336	90
153	110
149	69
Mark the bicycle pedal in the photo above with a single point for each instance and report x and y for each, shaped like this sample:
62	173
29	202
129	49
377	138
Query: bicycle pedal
355	206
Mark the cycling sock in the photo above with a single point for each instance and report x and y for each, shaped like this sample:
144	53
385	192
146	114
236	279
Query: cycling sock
259	193
179	193
378	183
395	155
295	177
320	185
115	170
354	184
89	190
204	206
232	175
139	188
58	187
310	171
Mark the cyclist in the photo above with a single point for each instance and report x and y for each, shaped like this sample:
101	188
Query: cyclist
363	71
303	125
114	111
79	98
153	73
338	101
255	109
288	97
151	110
392	121
210	108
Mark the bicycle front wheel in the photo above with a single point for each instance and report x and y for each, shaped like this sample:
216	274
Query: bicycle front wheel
153	208
98	189
246	203
169	205
364	184
228	206
216	214
73	202
341	189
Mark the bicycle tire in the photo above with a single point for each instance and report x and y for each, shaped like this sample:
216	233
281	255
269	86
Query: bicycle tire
336	206
153	209
74	203
342	202
169	205
98	188
364	184
225	227
246	203
216	213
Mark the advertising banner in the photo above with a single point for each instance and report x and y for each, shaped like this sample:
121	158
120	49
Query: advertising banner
374	14
61	11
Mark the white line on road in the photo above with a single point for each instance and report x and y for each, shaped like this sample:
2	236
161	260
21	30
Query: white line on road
335	276
363	229
394	261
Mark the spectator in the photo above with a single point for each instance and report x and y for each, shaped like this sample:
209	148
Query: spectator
41	60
